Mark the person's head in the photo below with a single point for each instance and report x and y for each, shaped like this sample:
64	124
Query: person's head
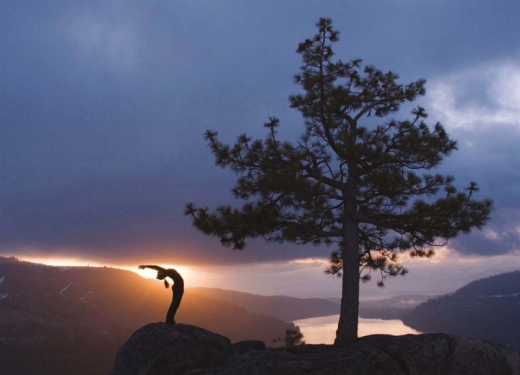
162	276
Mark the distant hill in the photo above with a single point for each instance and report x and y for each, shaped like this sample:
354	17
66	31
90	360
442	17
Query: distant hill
388	308
72	320
391	308
290	309
485	309
281	307
506	284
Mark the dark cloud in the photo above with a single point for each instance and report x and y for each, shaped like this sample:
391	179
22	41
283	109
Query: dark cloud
491	161
103	108
487	131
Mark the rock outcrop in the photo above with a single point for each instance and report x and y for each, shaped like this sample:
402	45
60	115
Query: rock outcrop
188	350
246	346
164	349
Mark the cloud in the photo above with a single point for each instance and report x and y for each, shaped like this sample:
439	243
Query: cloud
103	108
311	262
480	107
444	273
108	36
478	97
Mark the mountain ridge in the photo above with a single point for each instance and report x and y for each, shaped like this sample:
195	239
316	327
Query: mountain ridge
486	309
73	319
282	307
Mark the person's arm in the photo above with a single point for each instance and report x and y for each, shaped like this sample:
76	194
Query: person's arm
157	268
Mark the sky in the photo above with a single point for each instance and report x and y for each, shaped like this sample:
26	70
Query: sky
103	107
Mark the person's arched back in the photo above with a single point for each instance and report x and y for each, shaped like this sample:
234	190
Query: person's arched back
177	288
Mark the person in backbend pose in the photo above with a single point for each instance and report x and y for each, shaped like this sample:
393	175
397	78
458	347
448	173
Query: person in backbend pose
177	288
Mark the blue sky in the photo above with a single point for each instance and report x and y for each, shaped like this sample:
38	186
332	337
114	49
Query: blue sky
103	106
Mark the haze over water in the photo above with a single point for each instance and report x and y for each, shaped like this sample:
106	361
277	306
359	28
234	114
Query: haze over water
322	330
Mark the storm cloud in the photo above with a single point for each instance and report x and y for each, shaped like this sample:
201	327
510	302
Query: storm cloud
103	106
480	106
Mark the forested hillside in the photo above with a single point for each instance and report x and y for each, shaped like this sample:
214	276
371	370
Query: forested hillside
281	307
72	320
486	309
506	284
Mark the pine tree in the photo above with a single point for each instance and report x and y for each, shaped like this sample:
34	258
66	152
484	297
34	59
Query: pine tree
361	187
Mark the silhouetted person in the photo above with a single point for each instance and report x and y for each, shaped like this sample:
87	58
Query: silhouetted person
177	288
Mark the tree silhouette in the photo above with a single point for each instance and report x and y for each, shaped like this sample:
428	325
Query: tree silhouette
293	337
344	183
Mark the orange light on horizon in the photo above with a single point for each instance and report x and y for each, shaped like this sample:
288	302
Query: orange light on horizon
191	277
148	273
62	262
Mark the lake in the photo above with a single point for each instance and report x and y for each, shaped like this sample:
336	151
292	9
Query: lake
322	330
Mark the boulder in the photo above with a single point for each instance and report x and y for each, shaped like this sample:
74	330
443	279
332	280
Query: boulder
165	349
266	362
159	349
248	345
441	354
429	354
510	355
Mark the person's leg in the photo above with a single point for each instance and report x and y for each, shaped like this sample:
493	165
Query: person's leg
176	301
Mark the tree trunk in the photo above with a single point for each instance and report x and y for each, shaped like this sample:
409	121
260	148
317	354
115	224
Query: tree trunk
348	318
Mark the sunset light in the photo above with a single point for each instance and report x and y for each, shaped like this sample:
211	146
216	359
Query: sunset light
284	173
186	273
62	262
189	275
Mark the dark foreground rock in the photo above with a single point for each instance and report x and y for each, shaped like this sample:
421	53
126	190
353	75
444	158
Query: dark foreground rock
245	346
164	349
433	354
188	350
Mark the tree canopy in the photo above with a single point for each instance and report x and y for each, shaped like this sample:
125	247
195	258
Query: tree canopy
362	187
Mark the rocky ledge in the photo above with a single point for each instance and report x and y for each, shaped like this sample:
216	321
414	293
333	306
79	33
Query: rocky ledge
161	349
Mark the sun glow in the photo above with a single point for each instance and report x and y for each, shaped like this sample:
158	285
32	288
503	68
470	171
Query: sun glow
186	273
189	275
63	262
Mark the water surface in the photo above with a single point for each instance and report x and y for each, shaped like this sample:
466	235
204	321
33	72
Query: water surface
322	330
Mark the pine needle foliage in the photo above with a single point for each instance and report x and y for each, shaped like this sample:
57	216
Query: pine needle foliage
367	189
